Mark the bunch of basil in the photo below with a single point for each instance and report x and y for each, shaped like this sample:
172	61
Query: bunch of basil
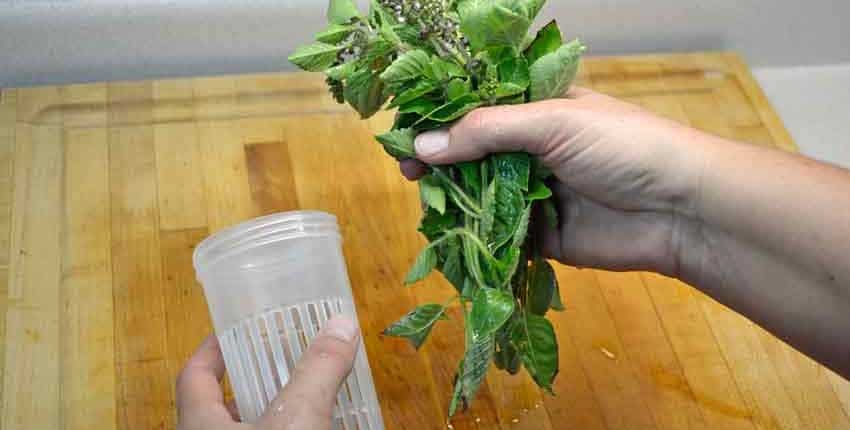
437	60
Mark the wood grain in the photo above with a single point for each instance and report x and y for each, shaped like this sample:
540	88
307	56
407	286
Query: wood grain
87	354
105	190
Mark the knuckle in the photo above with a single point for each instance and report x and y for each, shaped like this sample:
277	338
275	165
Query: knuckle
329	347
476	121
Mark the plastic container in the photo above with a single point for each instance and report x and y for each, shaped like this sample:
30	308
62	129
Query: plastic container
271	283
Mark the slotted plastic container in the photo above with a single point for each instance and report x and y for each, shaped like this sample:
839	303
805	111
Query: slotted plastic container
271	283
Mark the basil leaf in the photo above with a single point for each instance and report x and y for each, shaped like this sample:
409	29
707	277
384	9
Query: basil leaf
491	309
556	304
534	337
457	88
342	11
377	54
419	106
335	33
521	231
435	224
441	70
399	143
548	40
422	88
432	193
472	370
315	57
533	7
453	109
511	172
452	268
488	211
471	174
506	356
424	264
488	23
514	77
342	71
417	324
513	167
552	74
364	91
541	286
409	65
538	191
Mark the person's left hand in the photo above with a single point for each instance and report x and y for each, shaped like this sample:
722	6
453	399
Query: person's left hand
307	401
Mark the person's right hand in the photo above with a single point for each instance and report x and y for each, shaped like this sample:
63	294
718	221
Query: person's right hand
627	178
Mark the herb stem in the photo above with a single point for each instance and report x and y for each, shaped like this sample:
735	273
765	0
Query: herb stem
454	188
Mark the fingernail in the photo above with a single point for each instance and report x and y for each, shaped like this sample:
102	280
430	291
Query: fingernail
341	328
432	142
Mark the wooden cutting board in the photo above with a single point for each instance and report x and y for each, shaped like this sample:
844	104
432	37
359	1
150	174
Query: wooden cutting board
105	189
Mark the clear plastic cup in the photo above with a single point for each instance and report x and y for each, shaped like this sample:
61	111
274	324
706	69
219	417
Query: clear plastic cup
271	283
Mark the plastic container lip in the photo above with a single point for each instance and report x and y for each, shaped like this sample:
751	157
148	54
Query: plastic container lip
262	231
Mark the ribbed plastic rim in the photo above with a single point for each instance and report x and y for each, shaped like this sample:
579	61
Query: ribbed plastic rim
262	231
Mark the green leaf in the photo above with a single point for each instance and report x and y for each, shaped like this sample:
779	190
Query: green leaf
452	268
552	74
506	356
399	143
471	174
435	224
441	70
315	57
488	211
342	71
514	77
377	54
538	191
541	286
410	65
364	91
422	88
387	30
417	324
557	304
409	34
533	7
521	231
548	40
342	11
424	264
453	109
473	368
509	207
511	172
550	212
534	337
457	88
432	193
488	23
513	167
420	106
335	33
491	308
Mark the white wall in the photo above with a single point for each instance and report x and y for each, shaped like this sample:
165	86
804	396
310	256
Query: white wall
53	41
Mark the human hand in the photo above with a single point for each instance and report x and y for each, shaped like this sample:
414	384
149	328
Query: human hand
306	402
627	179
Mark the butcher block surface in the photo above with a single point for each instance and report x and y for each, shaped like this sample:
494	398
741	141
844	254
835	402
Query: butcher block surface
106	188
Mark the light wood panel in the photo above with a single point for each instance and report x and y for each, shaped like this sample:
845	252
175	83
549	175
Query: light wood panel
105	190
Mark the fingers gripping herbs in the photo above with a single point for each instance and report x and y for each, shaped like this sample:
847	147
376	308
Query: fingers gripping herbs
435	61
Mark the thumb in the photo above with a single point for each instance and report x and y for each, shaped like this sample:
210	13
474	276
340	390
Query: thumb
307	401
490	130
